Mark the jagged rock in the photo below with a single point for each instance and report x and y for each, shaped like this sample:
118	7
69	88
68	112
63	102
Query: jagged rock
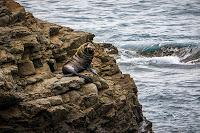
33	99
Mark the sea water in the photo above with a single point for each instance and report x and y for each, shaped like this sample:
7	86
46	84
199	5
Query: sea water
169	89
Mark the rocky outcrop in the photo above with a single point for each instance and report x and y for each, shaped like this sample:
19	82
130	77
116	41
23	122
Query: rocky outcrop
36	97
186	53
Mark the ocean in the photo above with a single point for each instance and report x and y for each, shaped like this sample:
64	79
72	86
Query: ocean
159	45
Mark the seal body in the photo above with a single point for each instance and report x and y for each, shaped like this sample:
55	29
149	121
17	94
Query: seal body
80	61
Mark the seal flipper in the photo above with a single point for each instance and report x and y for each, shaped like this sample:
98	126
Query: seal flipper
92	71
73	72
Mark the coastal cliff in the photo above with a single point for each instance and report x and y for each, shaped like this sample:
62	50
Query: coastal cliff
36	97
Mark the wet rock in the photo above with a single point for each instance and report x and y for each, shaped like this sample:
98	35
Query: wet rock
193	58
146	126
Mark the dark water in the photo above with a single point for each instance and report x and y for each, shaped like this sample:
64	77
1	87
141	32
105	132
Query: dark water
168	89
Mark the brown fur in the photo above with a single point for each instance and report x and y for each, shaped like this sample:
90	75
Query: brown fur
80	61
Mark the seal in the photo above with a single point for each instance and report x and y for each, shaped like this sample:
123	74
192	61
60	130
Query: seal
81	61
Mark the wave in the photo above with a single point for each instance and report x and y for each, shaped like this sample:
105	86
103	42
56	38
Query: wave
160	54
150	60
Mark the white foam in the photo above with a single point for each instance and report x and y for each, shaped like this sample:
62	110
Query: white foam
150	60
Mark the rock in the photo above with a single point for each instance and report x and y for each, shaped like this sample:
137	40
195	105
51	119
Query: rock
17	47
90	89
34	79
110	49
4	20
52	65
5	57
104	84
20	31
89	100
29	41
194	57
37	63
55	100
67	83
74	97
146	126
8	100
33	99
66	98
26	68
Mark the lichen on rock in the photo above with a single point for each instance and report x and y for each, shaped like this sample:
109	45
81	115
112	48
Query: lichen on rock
36	97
